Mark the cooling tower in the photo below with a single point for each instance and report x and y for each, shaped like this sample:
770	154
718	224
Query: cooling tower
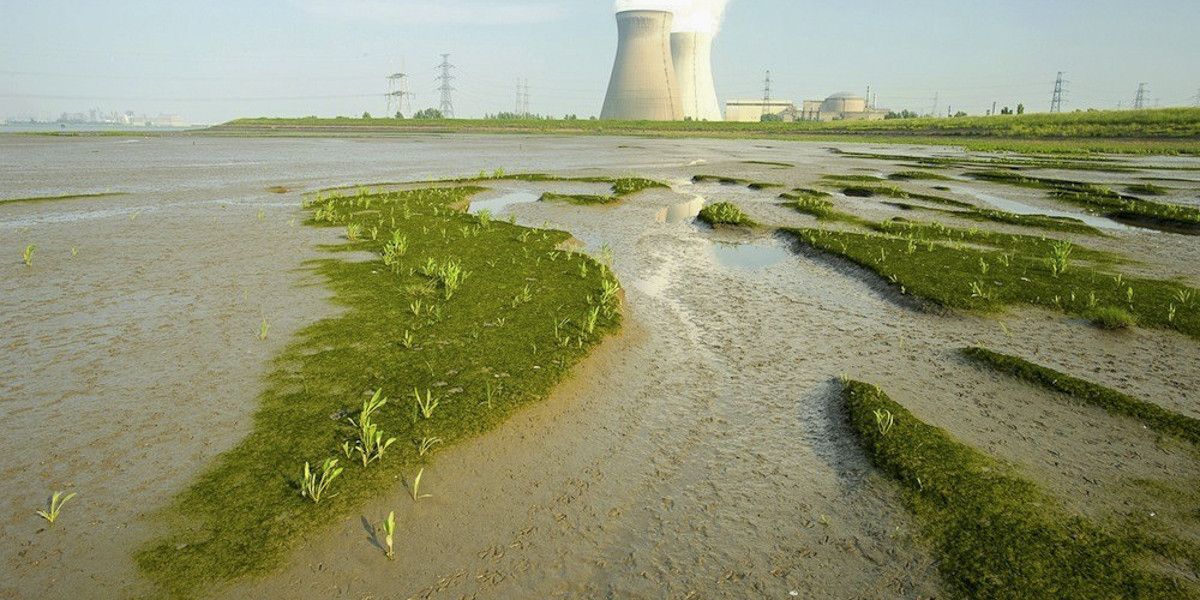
642	86
692	53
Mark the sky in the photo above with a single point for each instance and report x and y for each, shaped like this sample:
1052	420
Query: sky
215	60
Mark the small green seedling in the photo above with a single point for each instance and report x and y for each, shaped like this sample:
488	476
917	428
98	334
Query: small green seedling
371	444
28	255
427	444
884	420
315	486
416	487
389	530
56	503
427	404
263	329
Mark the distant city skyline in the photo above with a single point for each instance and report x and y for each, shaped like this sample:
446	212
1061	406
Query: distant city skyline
218	60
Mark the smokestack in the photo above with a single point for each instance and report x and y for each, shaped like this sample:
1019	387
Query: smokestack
643	84
692	53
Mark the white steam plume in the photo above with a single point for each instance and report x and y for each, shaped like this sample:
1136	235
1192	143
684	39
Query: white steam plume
703	16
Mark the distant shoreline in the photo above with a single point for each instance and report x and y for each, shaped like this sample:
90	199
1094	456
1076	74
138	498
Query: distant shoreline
1171	131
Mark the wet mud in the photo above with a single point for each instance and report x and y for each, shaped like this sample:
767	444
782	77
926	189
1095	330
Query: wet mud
703	453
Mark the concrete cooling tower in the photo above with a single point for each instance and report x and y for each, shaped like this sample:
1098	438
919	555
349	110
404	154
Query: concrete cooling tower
692	53
643	85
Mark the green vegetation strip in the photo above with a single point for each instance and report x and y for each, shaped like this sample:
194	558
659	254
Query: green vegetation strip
997	535
62	197
720	179
891	191
1154	416
985	271
918	175
457	321
621	188
769	163
1065	224
725	213
1110	165
579	199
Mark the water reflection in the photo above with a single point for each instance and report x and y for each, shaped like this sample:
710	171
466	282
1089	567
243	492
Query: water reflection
748	256
499	203
1021	208
678	213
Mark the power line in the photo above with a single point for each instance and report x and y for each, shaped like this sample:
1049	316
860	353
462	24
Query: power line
446	89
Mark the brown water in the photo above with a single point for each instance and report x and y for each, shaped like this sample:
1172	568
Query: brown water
702	454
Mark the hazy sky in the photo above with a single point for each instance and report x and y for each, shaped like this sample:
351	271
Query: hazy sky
215	60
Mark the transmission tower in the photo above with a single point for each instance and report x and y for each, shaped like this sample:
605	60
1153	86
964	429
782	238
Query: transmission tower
767	95
398	92
1139	102
525	100
446	78
1057	102
934	111
1196	99
520	99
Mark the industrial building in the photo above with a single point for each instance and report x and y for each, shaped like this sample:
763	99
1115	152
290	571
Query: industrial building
752	111
842	106
659	75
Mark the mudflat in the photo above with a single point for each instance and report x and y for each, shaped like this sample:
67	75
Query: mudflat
702	453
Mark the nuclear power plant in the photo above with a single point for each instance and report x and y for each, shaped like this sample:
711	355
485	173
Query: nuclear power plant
659	75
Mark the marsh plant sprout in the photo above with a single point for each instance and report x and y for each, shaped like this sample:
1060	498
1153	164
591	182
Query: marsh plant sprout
416	487
884	420
57	500
314	485
28	254
427	404
371	444
1060	256
389	533
427	444
263	329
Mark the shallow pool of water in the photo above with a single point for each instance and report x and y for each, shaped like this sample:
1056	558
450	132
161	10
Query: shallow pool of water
748	256
499	203
679	213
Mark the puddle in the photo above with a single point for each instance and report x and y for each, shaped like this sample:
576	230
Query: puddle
678	213
748	256
503	201
1020	208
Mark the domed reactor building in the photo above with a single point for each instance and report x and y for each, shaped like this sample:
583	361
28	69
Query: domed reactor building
842	106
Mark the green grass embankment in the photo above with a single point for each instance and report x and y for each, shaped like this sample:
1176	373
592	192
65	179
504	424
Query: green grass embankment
1152	415
1161	131
985	271
478	316
997	536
